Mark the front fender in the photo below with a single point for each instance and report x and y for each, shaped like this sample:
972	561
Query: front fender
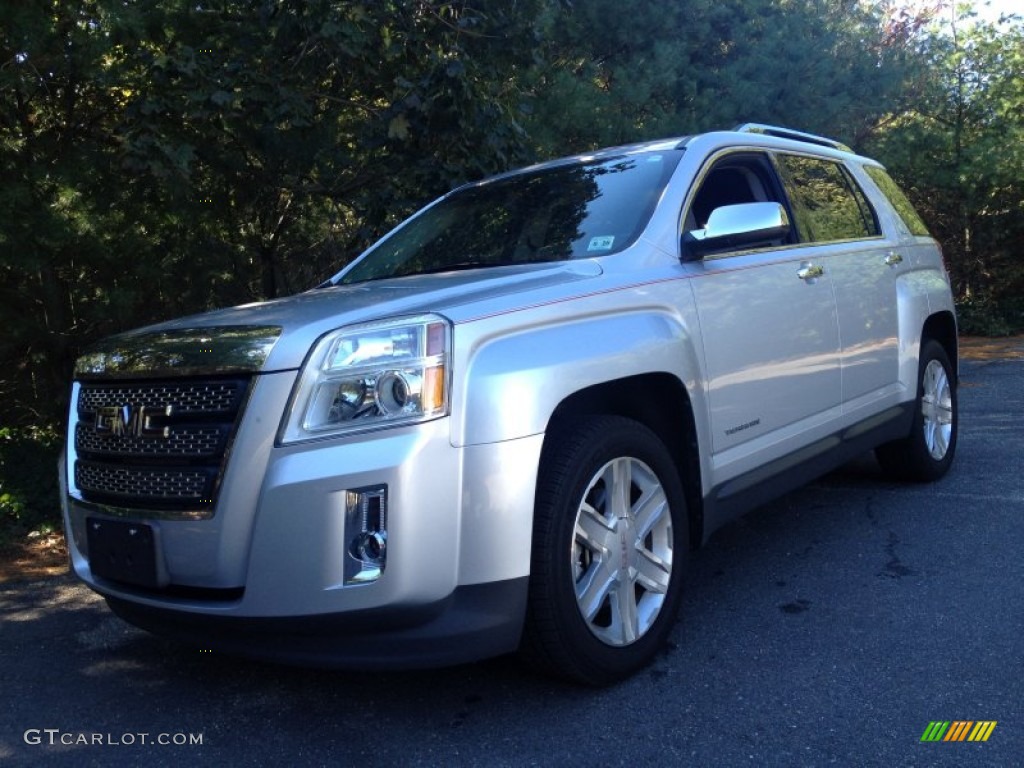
513	381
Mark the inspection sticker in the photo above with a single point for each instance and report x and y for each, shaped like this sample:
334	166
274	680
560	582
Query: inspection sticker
601	243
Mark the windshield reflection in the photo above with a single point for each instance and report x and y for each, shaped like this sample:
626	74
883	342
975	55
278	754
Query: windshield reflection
553	214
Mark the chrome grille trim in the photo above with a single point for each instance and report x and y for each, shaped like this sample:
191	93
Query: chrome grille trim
110	510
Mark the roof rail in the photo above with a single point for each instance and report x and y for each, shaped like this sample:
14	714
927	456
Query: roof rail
787	133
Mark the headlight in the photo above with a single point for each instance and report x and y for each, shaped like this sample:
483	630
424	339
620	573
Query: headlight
373	375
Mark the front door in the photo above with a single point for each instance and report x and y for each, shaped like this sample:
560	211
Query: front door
770	329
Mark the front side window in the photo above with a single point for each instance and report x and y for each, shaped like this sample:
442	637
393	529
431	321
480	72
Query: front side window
826	202
570	211
735	179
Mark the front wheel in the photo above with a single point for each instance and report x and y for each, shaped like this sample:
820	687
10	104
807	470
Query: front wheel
927	452
610	544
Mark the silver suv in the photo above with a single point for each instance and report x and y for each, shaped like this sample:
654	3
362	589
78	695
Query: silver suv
507	423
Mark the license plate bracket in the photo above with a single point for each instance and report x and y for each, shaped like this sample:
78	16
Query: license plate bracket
122	551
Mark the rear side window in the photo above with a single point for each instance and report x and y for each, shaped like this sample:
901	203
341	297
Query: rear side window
915	225
826	202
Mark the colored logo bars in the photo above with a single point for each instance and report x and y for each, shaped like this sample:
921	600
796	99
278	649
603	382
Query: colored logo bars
958	730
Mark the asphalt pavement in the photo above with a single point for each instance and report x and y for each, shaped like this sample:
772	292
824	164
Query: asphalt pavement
832	627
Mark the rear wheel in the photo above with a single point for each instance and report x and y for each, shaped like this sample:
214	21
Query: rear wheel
609	548
927	452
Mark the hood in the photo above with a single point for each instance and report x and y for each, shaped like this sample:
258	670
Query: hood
277	335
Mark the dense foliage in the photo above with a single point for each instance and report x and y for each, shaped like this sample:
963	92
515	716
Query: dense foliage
956	142
161	157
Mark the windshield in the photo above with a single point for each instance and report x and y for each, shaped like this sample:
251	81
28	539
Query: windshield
564	212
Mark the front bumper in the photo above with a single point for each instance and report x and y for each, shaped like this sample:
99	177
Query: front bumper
475	622
265	575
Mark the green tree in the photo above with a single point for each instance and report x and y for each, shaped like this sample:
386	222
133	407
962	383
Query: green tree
305	128
616	71
161	156
957	145
54	108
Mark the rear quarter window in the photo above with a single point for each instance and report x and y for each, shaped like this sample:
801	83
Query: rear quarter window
903	207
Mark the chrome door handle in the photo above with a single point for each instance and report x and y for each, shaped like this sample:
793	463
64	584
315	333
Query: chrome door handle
893	259
810	271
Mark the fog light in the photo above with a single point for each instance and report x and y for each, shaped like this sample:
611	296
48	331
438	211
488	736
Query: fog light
366	531
370	547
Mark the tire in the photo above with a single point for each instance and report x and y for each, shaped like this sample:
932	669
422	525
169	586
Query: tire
927	453
590	539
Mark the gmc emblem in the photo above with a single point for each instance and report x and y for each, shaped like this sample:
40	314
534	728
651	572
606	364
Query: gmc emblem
121	420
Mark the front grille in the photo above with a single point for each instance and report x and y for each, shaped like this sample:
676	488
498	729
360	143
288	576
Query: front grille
155	445
199	397
194	442
165	484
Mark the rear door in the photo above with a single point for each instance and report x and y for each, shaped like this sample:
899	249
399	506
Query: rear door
832	211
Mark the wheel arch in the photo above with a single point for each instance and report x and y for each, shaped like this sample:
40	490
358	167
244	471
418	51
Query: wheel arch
925	311
661	403
941	326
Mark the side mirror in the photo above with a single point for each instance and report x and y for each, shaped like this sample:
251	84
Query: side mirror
737	226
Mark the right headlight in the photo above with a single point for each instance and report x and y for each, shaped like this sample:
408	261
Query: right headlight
372	375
